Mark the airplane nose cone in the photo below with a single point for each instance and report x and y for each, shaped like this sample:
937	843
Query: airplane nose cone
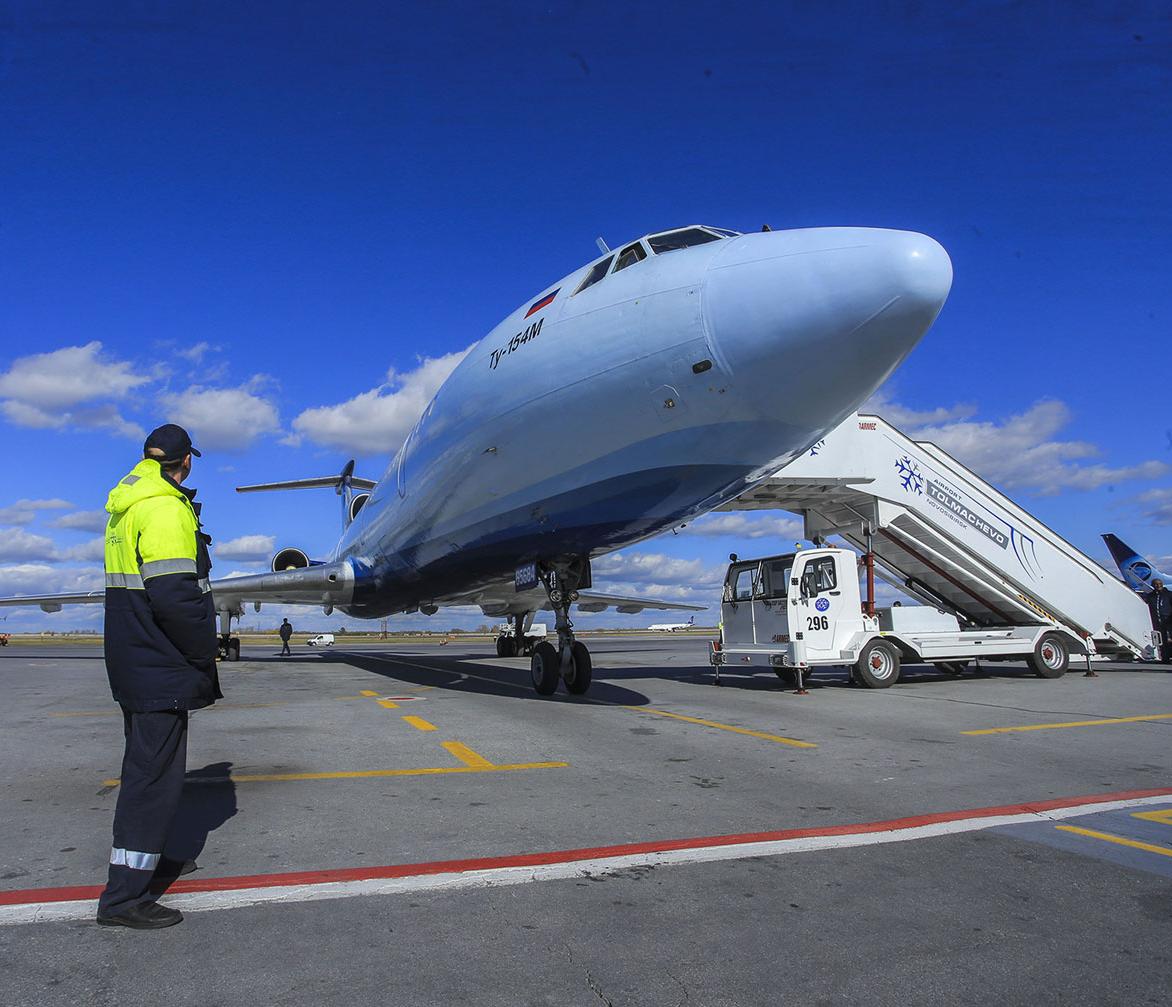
809	323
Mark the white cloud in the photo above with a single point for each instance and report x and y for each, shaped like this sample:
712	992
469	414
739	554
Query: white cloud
223	419
1157	506
18	544
82	520
1020	451
197	352
25	511
65	377
749	524
655	568
376	421
247	548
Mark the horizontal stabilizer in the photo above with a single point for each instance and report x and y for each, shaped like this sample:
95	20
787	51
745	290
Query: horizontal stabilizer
323	482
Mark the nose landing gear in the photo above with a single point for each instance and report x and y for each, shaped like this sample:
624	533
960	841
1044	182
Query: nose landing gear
570	660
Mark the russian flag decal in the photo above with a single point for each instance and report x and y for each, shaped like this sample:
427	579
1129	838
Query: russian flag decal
545	302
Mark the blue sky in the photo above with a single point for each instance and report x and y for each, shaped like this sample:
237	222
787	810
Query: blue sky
276	222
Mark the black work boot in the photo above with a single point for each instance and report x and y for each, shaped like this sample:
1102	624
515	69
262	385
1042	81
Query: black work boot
145	916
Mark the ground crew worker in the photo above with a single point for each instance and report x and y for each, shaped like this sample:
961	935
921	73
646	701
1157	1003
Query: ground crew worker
160	646
1160	602
286	632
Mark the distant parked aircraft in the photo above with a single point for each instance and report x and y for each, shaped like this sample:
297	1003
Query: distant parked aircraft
1137	572
671	627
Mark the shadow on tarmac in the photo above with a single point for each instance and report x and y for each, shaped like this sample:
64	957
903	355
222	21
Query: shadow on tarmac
209	800
482	679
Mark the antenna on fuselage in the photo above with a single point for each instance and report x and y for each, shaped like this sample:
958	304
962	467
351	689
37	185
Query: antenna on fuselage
602	245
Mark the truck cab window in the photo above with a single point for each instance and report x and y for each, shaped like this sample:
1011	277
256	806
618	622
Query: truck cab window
775	574
630	255
819	577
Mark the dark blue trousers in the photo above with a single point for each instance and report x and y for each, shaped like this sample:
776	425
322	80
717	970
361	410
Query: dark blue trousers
153	769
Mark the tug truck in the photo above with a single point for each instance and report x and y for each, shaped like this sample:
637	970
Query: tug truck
993	580
804	610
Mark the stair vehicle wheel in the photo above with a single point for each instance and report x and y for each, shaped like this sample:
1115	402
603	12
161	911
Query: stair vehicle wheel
582	670
233	650
788	675
545	669
951	667
877	666
1050	657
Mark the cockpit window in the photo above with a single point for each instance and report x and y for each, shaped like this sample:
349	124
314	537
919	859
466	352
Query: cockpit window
724	232
630	255
669	241
597	272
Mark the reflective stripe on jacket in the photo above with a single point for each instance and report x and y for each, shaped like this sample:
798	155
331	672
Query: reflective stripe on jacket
160	633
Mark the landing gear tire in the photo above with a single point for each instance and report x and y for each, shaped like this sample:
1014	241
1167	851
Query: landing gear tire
1050	657
877	666
581	670
951	667
232	652
545	669
506	646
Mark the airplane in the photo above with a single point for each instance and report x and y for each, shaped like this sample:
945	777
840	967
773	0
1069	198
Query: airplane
663	379
672	627
1137	572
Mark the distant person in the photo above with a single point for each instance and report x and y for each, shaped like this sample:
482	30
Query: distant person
286	632
160	648
1160	602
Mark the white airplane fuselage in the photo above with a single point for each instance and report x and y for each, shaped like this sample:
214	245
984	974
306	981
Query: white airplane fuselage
647	399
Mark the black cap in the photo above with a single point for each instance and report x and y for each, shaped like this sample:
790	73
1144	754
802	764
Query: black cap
172	440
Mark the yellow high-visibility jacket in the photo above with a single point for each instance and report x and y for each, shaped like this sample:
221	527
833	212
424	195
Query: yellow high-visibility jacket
160	633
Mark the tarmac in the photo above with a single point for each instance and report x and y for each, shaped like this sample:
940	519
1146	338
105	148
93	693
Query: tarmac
415	826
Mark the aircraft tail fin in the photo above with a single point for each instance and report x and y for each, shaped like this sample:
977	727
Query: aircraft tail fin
344	484
1136	571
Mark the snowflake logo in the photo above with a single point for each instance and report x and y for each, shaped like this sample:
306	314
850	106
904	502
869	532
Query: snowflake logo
817	447
910	476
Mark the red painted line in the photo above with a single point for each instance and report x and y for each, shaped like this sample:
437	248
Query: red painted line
33	896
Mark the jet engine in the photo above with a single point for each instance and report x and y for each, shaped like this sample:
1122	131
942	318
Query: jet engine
290	559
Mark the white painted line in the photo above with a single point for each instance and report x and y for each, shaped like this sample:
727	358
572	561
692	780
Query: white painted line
195	902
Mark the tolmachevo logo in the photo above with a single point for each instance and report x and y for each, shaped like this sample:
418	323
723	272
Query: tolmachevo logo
817	447
945	498
910	476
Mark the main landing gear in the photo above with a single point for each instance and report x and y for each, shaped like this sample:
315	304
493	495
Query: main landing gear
229	645
570	660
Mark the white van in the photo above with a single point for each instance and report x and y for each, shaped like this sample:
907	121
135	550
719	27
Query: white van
321	640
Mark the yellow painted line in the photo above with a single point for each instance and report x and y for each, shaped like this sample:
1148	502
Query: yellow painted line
419	723
1164	817
388	704
471	759
1135	844
1071	723
367	692
725	727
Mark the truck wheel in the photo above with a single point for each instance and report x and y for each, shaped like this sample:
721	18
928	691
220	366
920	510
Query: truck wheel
951	667
787	675
1050	657
877	666
545	669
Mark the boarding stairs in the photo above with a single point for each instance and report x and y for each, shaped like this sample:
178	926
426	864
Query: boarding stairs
948	538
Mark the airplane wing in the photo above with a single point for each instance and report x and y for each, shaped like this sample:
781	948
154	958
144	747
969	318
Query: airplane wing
331	585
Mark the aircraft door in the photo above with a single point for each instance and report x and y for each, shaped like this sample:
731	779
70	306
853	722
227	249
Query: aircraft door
736	610
812	603
771	623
